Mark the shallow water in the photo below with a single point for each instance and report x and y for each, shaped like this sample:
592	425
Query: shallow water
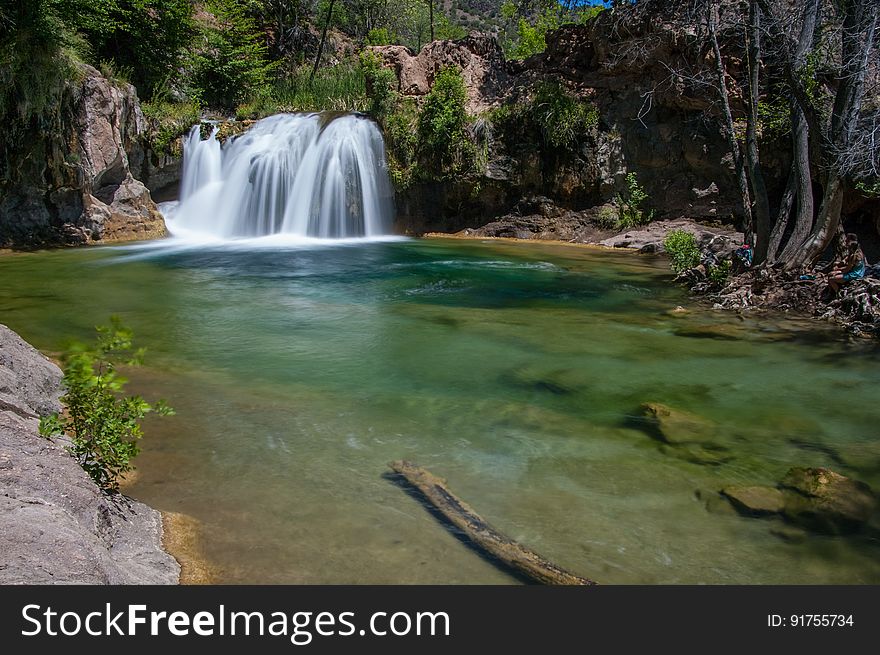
513	370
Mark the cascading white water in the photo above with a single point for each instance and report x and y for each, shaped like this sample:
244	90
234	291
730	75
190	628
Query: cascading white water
299	174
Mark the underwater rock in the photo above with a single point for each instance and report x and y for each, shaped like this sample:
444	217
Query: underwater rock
674	426
755	500
824	501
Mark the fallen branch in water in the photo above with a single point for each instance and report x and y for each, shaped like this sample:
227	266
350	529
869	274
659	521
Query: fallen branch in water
483	535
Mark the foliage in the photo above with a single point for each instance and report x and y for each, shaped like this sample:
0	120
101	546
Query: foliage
169	120
402	143
36	59
532	26
681	246
869	188
145	37
607	218
334	88
718	274
442	124
630	202
380	84
379	36
774	118
562	120
103	425
231	63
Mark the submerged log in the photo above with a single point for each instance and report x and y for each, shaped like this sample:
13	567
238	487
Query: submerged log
483	535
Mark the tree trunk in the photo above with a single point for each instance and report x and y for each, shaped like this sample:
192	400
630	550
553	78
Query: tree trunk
756	178
431	10
728	119
860	18
800	183
323	38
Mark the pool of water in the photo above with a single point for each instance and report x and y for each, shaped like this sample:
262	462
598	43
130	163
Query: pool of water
514	371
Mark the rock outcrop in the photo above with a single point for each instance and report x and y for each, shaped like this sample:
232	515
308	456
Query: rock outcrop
479	57
76	186
56	526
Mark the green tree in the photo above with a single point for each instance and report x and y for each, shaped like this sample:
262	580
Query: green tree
103	425
231	62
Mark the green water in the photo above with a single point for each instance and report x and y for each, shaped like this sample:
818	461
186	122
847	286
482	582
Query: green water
514	371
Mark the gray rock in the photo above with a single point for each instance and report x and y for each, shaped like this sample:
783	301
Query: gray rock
75	185
56	526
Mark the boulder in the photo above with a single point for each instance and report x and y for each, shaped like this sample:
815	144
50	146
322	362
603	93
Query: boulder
825	501
56	526
75	184
674	426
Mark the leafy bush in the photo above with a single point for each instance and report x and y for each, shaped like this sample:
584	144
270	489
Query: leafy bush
532	28
630	202
553	115
380	84
402	141
442	125
562	118
103	425
169	120
718	274
607	218
379	36
681	246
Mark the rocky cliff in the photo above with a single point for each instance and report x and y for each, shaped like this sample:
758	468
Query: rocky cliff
649	122
74	185
56	527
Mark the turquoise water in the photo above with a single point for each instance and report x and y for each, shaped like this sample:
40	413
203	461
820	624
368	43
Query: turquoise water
512	370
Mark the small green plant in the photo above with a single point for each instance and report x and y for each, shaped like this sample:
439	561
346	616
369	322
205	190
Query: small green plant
630	202
607	218
103	425
681	246
718	274
562	118
379	36
167	121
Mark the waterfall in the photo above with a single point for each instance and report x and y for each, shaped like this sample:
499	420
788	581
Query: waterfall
307	175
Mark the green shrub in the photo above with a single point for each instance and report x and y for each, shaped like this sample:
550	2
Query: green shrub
380	84
103	425
718	274
144	37
630	202
401	143
442	126
379	36
562	118
681	246
553	115
607	218
167	121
